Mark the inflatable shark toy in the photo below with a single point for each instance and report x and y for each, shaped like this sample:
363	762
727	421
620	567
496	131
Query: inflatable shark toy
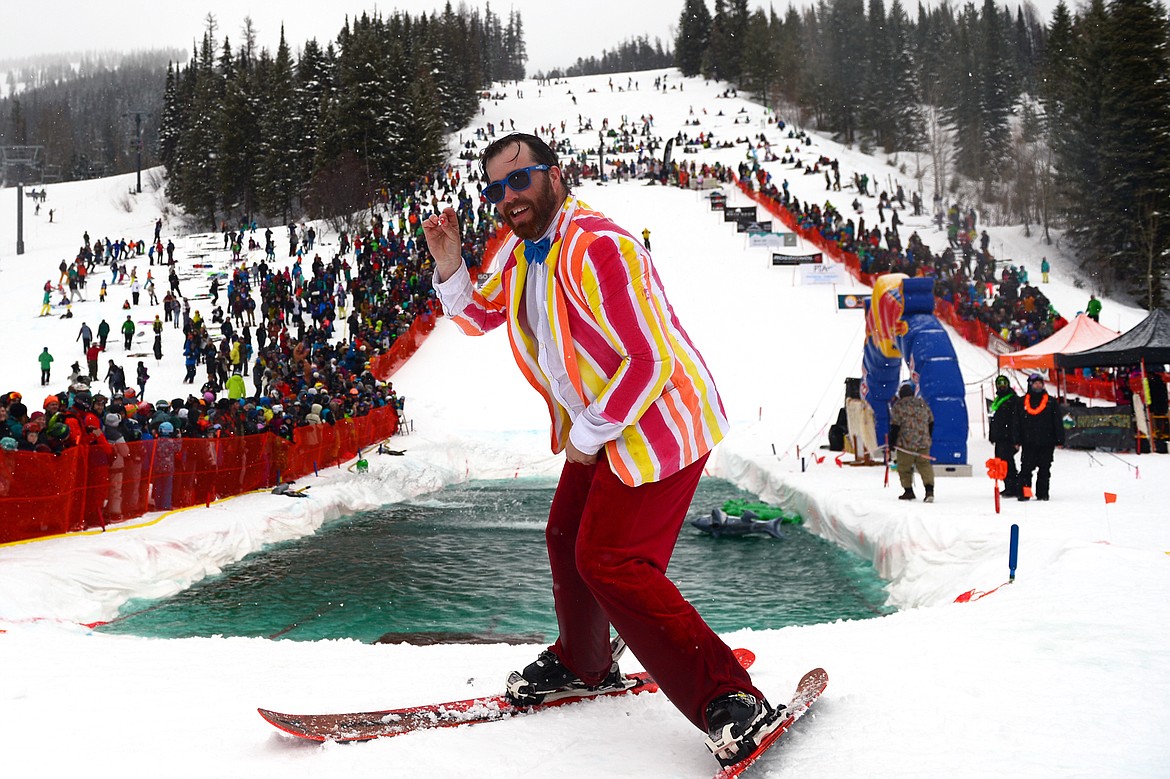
720	523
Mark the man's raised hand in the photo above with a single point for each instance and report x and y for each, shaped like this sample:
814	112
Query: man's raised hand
443	241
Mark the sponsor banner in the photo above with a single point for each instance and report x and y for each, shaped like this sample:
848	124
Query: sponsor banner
737	213
796	259
851	301
718	200
771	240
1109	427
997	345
822	274
753	227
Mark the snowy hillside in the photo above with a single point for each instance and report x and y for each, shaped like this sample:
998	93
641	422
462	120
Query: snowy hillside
1013	684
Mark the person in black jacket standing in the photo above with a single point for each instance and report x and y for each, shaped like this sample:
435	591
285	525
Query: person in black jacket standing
1005	410
1039	431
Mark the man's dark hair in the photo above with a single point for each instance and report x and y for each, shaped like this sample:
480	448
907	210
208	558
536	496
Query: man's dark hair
541	152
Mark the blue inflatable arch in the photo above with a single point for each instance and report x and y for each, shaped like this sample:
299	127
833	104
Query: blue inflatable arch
901	327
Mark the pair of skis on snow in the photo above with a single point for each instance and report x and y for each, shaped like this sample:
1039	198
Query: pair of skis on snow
365	726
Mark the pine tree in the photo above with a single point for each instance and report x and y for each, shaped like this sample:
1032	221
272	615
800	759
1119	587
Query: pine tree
759	57
452	68
906	121
515	52
876	95
363	119
997	96
1136	145
812	92
1058	68
933	45
790	62
844	32
492	53
249	130
280	147
195	188
169	126
738	18
694	24
1025	52
311	100
239	135
18	124
1080	171
962	100
420	143
175	125
716	57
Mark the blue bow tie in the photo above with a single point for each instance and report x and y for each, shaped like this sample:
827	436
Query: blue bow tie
537	251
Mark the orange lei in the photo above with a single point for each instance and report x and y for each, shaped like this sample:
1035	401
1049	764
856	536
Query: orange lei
1034	411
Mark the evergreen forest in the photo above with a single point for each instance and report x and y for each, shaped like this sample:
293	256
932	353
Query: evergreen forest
1061	124
86	111
1054	124
247	132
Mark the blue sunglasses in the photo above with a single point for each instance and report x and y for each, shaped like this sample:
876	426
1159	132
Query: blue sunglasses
518	180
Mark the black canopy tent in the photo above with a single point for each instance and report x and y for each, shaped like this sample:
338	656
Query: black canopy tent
1148	342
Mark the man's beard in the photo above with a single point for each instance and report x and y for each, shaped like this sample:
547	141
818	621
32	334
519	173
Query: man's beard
542	207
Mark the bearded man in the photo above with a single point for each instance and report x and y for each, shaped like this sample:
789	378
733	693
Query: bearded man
636	412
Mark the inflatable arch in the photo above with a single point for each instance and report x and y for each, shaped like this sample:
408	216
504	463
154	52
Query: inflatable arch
900	325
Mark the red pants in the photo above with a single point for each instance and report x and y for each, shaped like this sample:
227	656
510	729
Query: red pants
609	545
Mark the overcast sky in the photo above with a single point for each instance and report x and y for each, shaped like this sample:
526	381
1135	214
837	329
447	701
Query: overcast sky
555	37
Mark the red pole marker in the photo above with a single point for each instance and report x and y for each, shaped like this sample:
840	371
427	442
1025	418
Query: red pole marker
997	469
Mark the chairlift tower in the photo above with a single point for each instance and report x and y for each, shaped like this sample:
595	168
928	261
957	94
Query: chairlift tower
138	142
20	164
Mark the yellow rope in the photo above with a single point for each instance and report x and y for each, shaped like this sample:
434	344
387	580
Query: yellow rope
139	526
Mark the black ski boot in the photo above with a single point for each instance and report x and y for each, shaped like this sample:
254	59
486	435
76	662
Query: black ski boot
737	723
907	495
547	679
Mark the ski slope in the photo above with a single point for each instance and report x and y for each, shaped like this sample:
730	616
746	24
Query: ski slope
1060	674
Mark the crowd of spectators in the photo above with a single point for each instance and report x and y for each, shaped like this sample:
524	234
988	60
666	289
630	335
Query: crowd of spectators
967	275
965	272
305	333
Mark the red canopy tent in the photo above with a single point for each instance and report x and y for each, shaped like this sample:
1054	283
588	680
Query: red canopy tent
1080	334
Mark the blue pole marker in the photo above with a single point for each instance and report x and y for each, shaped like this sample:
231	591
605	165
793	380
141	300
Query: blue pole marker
1013	553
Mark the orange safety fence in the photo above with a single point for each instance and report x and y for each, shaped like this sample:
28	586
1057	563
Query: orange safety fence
386	364
87	487
491	246
1075	383
971	330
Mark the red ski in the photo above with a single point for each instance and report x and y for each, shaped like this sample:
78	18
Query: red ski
364	726
808	690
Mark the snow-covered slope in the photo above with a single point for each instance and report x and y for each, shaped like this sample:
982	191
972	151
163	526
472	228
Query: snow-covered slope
1059	674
